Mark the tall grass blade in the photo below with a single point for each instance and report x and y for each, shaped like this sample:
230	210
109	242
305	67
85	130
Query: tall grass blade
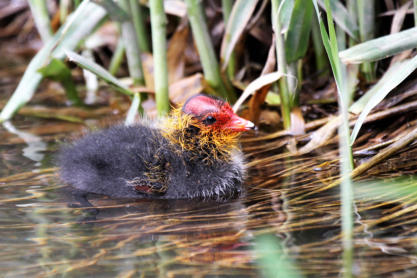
158	24
79	25
391	79
380	48
41	17
99	71
239	17
342	18
296	41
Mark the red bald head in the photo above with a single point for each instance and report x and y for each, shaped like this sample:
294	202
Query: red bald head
215	113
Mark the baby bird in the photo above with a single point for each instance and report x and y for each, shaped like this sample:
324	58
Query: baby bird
194	153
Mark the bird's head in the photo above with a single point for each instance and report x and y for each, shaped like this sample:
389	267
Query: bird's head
207	123
214	114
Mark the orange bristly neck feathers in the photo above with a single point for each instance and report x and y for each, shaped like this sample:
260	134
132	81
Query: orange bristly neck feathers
185	131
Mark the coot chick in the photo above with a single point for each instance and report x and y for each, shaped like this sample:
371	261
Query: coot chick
194	153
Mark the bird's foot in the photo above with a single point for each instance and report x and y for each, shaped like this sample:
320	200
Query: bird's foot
147	187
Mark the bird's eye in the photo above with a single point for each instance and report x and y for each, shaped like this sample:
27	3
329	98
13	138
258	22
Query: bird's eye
209	120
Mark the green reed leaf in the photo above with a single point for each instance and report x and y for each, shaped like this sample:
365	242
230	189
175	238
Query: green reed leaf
380	48
99	71
376	94
241	13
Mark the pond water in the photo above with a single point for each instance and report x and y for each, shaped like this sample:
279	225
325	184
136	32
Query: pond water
43	233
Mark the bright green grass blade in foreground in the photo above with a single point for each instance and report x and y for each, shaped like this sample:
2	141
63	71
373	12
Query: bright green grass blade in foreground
296	41
99	71
272	260
241	13
343	18
78	26
391	79
380	48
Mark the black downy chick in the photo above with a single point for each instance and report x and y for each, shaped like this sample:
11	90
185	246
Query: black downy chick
192	154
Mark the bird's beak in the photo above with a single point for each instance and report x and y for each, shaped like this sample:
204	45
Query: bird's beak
239	124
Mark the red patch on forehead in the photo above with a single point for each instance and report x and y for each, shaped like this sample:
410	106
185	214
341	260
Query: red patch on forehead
201	104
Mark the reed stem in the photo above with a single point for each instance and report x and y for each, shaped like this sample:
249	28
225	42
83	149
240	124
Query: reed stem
140	27
282	65
205	49
158	24
131	44
117	58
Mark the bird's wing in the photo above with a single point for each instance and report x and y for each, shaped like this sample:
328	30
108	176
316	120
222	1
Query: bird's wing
155	180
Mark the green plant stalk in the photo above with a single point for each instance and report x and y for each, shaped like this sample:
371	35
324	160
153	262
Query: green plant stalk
158	24
319	53
231	67
130	42
282	65
346	193
117	58
346	165
133	53
139	24
40	15
366	18
205	49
